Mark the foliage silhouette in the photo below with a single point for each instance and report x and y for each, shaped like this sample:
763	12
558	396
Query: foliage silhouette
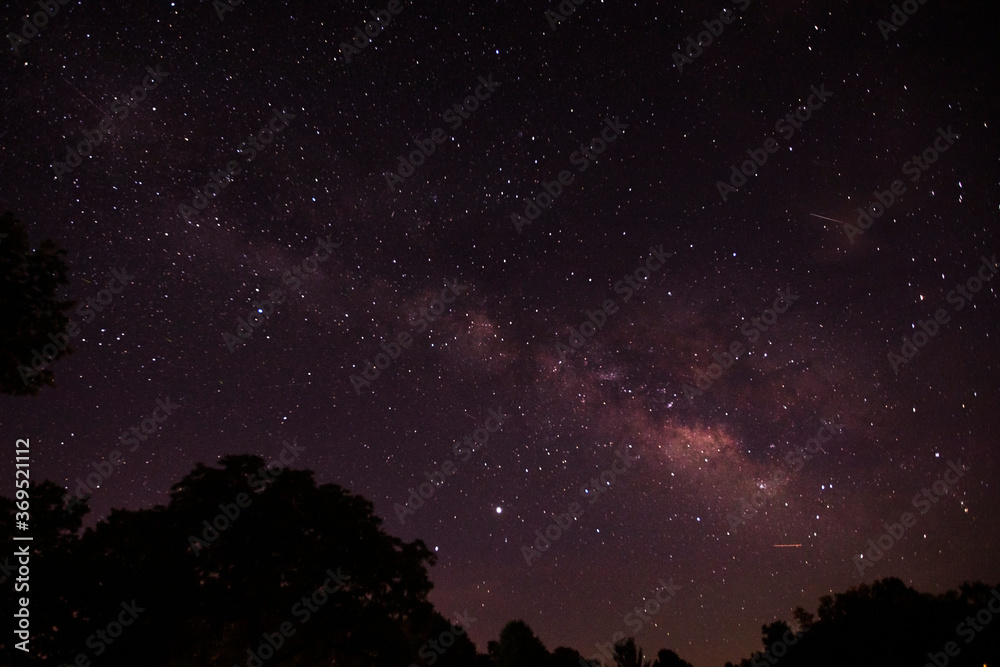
230	559
29	280
209	605
627	654
518	647
886	623
667	658
566	657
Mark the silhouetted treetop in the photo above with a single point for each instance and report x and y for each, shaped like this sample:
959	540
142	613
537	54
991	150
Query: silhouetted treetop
29	281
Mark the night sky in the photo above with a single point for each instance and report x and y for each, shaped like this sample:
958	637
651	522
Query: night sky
293	137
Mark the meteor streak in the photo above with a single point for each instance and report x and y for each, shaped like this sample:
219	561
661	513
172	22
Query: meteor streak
826	218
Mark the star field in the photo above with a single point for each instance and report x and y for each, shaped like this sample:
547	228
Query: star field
504	342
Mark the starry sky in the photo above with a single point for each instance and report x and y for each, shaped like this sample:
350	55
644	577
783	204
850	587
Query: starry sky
236	137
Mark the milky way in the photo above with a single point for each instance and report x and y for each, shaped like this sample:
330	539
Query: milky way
612	299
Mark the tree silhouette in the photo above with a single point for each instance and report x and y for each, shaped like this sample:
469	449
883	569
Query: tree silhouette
52	551
667	658
29	280
627	654
240	569
887	623
804	618
221	568
566	657
518	647
773	633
